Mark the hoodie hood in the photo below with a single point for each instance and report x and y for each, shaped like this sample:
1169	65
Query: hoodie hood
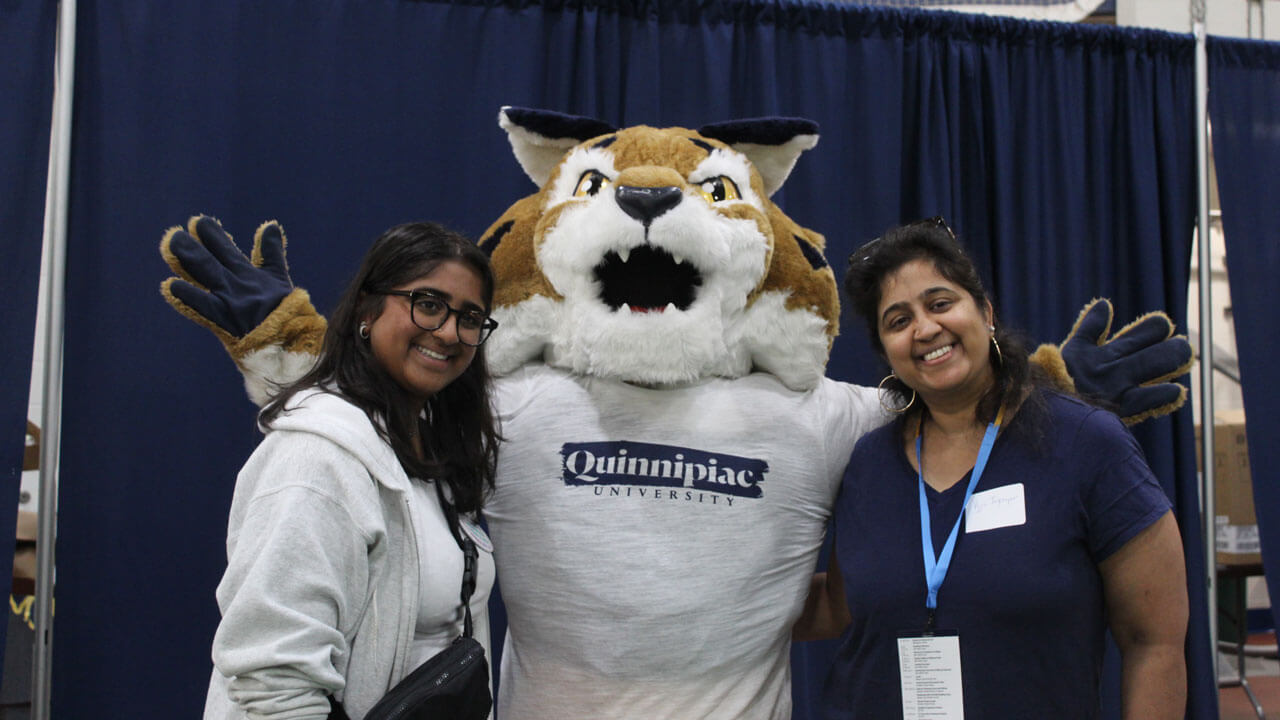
320	412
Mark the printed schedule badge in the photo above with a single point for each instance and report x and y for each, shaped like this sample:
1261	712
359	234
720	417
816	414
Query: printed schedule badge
929	667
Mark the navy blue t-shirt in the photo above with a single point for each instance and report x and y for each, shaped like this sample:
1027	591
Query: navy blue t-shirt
1026	599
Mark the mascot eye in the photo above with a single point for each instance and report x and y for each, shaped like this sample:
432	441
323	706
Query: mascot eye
718	189
591	182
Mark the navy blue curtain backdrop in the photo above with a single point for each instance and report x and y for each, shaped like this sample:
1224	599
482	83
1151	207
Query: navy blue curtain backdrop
26	83
1063	154
1244	106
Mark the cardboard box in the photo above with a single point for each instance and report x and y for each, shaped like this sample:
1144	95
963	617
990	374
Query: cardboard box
1236	525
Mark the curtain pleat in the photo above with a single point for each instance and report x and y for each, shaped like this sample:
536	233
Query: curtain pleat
27	32
1244	109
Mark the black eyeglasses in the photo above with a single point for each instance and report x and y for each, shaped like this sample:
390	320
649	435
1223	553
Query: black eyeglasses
431	313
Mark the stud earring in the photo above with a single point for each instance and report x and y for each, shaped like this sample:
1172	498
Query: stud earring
364	331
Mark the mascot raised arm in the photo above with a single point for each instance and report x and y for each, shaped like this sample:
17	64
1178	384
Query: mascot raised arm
672	448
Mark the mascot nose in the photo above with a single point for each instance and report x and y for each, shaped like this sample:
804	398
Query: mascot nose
646	203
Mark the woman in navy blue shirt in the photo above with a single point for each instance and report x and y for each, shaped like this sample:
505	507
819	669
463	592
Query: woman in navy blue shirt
987	539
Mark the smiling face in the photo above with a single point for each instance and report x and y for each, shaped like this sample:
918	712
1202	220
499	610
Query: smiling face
423	362
935	336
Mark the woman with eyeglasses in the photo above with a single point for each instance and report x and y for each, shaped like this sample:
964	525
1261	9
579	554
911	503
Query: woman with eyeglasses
345	537
987	540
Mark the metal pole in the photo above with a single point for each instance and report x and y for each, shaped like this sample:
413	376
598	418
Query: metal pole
55	248
1262	19
1208	516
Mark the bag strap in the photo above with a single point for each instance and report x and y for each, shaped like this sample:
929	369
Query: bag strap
470	562
470	559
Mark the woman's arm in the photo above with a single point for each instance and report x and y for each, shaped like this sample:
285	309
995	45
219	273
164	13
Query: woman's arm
296	578
1146	593
826	612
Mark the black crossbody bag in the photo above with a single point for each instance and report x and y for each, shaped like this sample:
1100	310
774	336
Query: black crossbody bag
454	683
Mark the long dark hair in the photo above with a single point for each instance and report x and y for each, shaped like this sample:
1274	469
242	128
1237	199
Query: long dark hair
458	431
932	240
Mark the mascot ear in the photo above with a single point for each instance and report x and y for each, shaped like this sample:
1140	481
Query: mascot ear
541	137
771	144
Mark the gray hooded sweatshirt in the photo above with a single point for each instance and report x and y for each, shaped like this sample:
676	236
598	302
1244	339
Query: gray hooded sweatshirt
321	590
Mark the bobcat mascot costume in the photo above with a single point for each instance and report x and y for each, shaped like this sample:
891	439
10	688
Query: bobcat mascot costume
672	447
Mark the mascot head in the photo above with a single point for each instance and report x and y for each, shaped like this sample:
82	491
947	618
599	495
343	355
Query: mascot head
655	256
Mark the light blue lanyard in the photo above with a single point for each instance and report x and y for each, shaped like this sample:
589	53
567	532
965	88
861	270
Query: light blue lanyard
935	571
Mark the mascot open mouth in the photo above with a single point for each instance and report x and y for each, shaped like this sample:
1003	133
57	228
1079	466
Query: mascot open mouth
648	280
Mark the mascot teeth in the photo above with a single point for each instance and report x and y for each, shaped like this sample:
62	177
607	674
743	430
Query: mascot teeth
624	254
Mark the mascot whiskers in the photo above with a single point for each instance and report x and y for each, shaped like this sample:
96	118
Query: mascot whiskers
672	446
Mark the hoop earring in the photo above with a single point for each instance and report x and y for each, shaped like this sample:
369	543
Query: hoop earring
999	355
898	411
364	331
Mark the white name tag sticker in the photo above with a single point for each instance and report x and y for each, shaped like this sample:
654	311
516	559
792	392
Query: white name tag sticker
1001	507
930	672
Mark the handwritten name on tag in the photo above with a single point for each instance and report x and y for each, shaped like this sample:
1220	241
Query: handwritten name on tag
1001	507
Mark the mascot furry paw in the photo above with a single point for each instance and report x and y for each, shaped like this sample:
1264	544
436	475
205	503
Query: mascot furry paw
1131	371
268	327
672	447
